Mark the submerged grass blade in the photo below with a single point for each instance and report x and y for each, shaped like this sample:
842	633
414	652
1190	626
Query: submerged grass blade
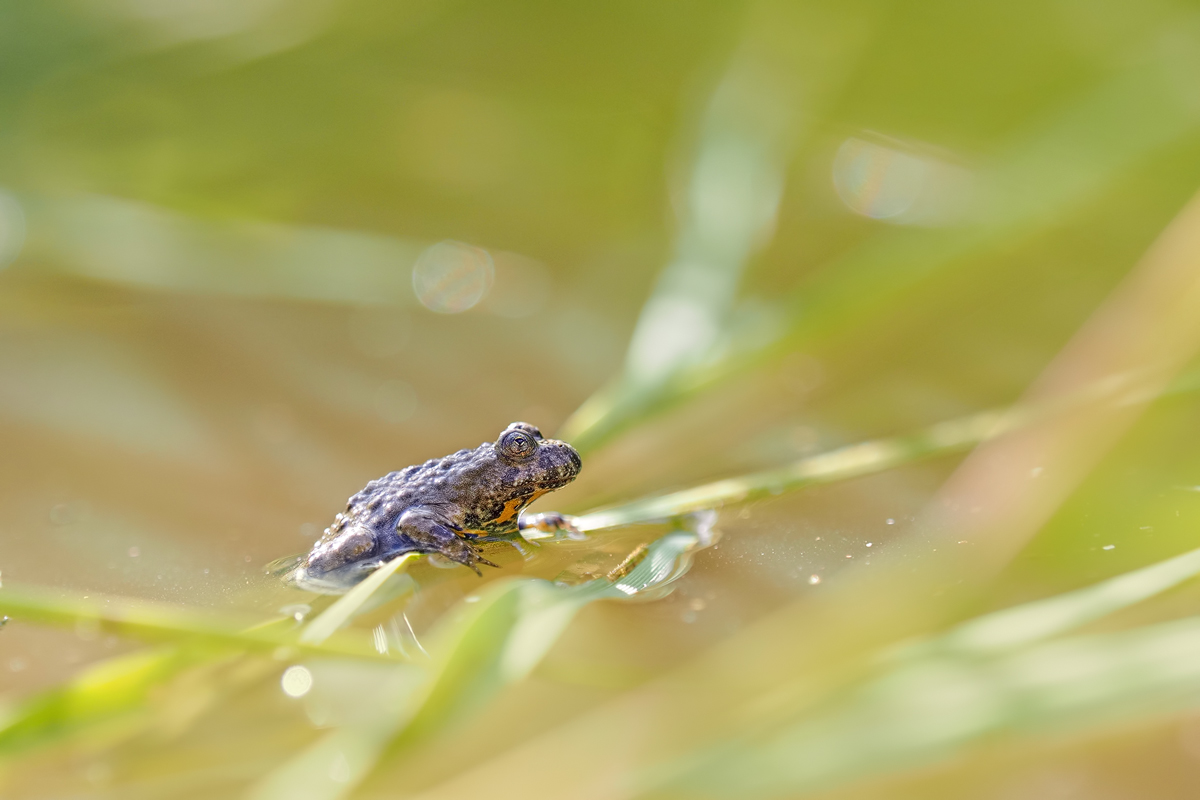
502	637
487	645
825	726
159	623
328	769
352	602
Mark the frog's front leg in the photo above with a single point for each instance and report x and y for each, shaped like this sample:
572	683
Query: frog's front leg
550	522
430	535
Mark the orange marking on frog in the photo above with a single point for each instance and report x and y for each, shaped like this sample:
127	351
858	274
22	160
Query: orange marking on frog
513	507
471	531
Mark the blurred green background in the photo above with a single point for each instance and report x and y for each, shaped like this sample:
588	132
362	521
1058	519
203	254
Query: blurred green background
254	254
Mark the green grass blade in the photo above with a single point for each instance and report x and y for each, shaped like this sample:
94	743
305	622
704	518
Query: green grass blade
932	708
138	244
102	692
840	464
865	458
1029	623
1031	189
160	623
988	675
503	636
352	602
331	767
487	645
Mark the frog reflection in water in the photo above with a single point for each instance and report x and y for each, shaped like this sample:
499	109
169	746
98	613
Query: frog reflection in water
440	506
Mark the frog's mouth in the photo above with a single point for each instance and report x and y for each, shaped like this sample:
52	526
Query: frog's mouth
529	491
541	487
533	491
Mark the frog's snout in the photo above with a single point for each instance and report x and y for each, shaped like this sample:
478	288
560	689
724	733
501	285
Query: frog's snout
574	463
564	462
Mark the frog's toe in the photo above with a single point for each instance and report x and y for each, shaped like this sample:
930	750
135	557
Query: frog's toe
468	556
471	558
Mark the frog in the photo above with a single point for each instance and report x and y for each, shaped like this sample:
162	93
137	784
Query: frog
443	507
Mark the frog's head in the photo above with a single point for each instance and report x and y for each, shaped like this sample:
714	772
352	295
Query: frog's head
531	463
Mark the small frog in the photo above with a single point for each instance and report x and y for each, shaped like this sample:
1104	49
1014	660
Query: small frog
440	506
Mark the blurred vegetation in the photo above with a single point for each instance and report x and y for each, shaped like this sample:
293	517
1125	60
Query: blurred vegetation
876	324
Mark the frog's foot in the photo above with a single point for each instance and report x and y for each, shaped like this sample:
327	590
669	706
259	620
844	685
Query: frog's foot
551	522
467	555
457	549
432	537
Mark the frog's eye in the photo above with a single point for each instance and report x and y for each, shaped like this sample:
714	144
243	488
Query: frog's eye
516	444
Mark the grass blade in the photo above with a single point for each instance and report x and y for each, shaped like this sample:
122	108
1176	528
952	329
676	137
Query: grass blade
929	709
1029	623
159	623
110	689
351	603
1031	189
841	464
486	646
